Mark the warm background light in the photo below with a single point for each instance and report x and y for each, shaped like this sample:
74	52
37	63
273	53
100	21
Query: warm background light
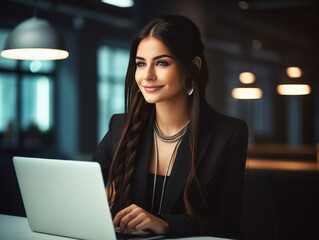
294	89
247	93
294	72
247	77
243	5
256	44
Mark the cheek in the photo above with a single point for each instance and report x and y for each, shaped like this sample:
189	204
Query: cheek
178	80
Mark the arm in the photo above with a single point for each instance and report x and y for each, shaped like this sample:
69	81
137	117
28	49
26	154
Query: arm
222	193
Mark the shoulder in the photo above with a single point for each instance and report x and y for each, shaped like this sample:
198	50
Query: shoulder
222	142
212	119
117	122
108	144
118	118
116	126
219	129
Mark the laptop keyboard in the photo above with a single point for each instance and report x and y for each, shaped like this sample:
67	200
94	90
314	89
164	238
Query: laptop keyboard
134	235
120	236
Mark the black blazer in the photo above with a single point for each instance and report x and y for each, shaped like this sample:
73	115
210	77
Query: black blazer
221	165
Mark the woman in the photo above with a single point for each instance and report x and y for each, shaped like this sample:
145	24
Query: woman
173	165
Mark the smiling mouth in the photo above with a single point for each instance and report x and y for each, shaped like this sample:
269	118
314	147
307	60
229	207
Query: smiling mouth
152	88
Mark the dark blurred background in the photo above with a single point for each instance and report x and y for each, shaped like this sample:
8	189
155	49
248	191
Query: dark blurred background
61	109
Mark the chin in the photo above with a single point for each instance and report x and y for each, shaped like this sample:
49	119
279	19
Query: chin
151	99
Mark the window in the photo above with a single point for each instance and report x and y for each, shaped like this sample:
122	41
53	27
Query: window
26	101
37	102
8	107
112	66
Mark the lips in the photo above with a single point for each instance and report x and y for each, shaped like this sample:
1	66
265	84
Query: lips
152	88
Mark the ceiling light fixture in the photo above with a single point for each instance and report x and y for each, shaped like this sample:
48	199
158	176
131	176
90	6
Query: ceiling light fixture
293	89
293	83
120	3
34	39
247	93
248	88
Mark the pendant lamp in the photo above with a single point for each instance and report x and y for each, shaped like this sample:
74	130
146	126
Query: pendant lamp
293	83
248	88
34	39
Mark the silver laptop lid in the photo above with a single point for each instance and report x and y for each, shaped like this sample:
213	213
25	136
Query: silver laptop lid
64	197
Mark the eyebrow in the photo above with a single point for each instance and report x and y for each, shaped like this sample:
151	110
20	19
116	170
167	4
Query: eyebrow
155	58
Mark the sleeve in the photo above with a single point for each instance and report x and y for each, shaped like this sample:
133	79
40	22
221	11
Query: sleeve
223	195
103	154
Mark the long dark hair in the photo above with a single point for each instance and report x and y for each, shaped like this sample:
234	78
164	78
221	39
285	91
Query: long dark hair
182	38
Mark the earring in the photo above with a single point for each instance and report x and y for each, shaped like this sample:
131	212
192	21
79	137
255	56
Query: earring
190	92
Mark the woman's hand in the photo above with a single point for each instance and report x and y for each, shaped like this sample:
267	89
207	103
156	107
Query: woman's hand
134	217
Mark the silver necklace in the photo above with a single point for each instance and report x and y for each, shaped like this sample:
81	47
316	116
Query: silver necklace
172	138
155	173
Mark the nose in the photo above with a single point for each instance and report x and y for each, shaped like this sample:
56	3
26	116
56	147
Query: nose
149	73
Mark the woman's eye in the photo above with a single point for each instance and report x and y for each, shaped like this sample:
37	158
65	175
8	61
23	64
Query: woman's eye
140	64
162	63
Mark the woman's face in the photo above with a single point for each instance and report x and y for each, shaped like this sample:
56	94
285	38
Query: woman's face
158	75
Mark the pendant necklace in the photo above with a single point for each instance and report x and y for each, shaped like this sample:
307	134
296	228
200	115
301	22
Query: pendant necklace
175	138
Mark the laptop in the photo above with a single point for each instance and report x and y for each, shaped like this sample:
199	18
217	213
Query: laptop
67	198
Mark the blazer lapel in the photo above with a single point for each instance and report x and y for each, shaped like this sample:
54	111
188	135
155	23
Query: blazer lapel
182	166
179	174
206	133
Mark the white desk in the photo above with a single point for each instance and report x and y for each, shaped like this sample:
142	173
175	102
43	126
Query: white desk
17	228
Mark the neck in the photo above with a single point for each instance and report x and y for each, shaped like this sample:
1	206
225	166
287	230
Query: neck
172	116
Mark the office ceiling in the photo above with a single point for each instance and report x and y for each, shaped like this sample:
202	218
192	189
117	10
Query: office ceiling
280	25
283	26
